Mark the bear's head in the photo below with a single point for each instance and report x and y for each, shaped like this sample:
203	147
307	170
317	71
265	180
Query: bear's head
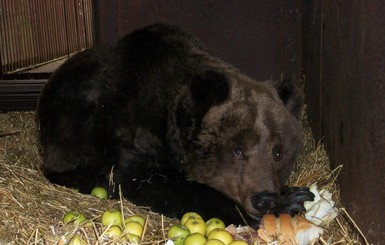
240	136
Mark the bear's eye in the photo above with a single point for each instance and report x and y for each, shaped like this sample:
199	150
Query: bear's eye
277	153
238	153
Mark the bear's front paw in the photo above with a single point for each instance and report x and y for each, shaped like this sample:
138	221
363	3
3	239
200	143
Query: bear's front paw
292	200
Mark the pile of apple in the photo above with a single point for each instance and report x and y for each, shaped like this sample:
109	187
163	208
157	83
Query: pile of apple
112	220
114	224
193	230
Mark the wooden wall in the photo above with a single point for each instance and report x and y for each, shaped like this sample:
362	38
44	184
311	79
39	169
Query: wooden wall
260	37
344	67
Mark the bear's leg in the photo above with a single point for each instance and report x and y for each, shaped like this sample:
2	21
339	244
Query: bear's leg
172	195
83	180
72	168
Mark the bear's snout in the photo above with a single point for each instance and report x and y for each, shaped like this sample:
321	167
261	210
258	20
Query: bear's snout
265	202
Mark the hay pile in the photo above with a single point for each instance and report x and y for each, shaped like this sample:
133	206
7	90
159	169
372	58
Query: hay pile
31	209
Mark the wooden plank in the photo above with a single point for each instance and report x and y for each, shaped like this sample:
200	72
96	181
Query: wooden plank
344	59
20	91
20	95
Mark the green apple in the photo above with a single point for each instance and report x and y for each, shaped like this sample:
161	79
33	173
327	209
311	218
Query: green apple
196	225
74	217
112	217
136	218
189	215
220	234
99	192
133	239
214	242
133	227
177	233
238	242
75	240
214	223
113	232
194	239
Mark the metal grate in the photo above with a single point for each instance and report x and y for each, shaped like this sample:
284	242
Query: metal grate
34	32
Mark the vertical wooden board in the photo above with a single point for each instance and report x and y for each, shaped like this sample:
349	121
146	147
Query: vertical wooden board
355	75
291	41
106	21
352	106
311	61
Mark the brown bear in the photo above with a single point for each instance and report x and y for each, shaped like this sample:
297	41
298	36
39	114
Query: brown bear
177	128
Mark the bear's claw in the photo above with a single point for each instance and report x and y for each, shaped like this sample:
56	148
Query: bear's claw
292	200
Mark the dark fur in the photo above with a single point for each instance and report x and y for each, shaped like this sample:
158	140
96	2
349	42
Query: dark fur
178	129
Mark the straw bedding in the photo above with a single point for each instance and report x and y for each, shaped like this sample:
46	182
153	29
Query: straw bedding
31	208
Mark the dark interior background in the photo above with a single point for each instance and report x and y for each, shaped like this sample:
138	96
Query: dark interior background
336	48
247	34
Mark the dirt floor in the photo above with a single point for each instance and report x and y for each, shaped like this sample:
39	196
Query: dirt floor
32	209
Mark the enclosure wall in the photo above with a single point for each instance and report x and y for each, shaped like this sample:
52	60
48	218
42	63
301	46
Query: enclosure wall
344	66
262	38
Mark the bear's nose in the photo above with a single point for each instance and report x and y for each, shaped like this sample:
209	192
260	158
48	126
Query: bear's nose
265	202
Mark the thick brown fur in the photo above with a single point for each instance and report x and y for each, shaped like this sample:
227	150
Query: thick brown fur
179	129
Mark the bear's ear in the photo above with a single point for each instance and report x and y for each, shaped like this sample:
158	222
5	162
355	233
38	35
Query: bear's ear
208	88
291	96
